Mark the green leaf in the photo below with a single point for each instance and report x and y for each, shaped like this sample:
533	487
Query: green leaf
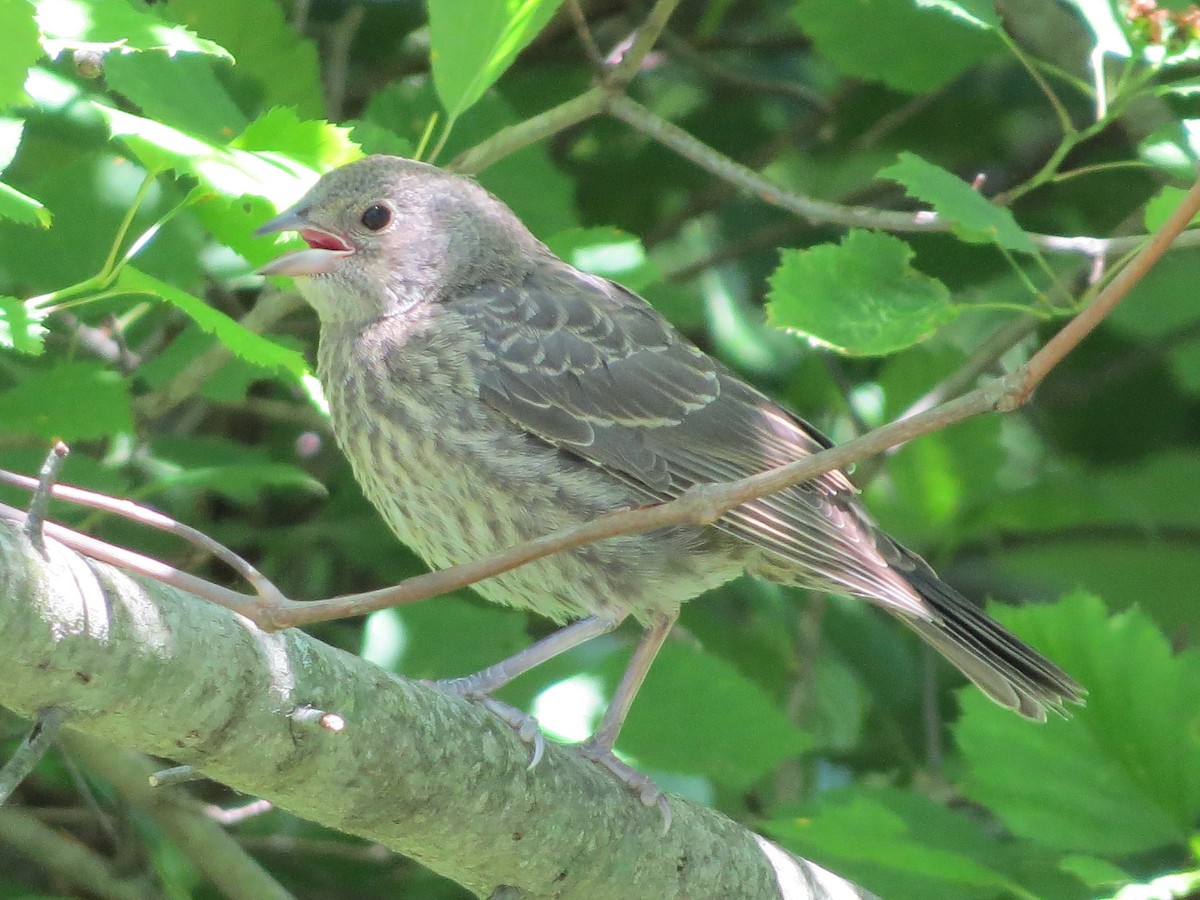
860	297
239	482
671	728
237	338
114	24
181	91
904	845
471	44
979	13
222	170
19	330
1122	776
21	208
1161	311
74	401
607	252
1162	204
313	143
281	62
483	633
860	37
228	384
528	181
21	50
974	219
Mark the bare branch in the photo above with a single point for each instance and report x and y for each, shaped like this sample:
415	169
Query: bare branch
822	212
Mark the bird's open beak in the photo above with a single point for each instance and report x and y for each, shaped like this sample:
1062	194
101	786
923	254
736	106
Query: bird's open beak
325	248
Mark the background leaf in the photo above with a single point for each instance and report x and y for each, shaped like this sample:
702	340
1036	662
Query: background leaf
860	296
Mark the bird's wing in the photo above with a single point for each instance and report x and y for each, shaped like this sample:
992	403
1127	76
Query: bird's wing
592	369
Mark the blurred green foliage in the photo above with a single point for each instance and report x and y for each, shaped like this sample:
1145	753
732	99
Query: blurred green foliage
142	143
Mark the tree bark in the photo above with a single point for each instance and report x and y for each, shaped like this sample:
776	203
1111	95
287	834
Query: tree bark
149	667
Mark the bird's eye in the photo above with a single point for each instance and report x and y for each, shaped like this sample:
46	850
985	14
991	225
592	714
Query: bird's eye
376	217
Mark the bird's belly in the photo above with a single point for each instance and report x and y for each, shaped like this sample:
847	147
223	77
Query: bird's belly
456	490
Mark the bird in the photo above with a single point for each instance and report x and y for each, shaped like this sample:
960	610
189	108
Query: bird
486	393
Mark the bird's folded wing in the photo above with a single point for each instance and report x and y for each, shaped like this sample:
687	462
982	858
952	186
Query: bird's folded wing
586	366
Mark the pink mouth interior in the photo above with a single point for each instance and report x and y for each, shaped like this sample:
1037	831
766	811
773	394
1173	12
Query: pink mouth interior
320	240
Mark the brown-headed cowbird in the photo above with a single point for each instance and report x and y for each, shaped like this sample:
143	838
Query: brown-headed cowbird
486	393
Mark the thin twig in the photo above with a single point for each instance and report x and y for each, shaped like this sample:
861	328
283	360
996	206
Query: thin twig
31	750
143	515
700	505
42	487
530	131
573	111
643	42
822	212
786	87
337	60
579	21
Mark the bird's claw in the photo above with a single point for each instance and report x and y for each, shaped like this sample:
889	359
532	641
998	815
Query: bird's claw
642	785
525	725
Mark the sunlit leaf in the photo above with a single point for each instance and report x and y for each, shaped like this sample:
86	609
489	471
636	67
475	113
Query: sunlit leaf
973	218
19	329
21	49
114	24
237	338
471	44
861	297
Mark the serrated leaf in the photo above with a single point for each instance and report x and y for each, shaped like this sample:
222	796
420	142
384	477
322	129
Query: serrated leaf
22	208
237	338
19	329
973	218
471	44
859	37
860	297
905	845
227	172
315	143
267	48
668	729
21	50
114	24
1121	776
74	401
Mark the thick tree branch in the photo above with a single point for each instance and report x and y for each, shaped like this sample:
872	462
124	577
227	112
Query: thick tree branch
149	667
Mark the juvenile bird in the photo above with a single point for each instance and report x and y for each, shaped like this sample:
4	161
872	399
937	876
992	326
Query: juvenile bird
486	393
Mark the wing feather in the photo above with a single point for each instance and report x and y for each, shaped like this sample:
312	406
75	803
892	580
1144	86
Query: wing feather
591	368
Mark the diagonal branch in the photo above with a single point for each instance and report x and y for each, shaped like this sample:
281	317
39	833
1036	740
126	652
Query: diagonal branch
421	772
700	505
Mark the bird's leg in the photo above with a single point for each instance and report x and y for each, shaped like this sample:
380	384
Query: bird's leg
599	748
482	684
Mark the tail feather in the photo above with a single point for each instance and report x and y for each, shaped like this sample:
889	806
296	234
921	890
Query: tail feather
1005	668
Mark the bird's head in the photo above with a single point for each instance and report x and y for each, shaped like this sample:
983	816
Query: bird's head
385	233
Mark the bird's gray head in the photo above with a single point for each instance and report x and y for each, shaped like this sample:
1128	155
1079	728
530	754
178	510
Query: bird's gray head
385	233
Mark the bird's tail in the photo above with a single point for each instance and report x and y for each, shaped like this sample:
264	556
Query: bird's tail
1004	667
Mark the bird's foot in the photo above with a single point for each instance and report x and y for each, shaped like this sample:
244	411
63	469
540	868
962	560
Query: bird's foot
641	785
524	724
